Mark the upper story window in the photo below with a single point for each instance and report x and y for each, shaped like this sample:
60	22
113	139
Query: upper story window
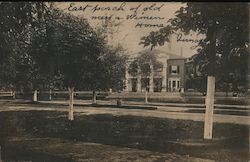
174	69
159	69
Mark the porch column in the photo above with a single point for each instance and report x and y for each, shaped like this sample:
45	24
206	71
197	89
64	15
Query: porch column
127	81
171	85
164	77
151	79
139	83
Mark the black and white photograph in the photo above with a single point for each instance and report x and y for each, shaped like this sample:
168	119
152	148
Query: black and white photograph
123	81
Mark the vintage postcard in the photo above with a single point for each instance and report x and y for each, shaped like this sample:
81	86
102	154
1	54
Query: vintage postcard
124	81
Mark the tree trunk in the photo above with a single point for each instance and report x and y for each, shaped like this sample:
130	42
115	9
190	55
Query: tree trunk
50	94
94	97
13	94
118	102
208	124
71	103
146	96
35	96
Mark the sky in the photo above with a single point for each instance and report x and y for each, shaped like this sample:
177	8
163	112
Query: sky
128	32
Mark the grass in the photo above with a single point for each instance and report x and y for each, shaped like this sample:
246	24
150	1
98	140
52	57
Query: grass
183	137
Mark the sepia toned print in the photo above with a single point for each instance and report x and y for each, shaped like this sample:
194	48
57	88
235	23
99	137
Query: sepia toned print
124	81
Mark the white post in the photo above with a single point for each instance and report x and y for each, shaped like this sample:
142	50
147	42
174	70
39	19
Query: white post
14	94
146	96
50	94
94	97
164	78
35	96
71	103
208	124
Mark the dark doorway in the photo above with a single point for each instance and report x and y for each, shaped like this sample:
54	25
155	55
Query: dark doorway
134	85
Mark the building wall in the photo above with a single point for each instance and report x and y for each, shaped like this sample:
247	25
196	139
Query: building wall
178	66
164	75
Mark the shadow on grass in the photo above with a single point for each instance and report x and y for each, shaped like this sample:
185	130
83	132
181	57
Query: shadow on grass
227	112
184	137
15	154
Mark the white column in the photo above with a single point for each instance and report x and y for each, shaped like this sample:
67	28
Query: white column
208	125
171	85
151	79
164	77
139	83
127	82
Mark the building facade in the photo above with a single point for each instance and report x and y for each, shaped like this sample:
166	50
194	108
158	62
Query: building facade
168	78
176	80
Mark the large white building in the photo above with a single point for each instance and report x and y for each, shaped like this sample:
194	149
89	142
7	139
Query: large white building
169	78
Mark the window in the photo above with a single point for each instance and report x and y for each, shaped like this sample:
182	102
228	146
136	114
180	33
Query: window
174	69
159	69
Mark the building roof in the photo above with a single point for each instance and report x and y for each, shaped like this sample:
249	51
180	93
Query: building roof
160	53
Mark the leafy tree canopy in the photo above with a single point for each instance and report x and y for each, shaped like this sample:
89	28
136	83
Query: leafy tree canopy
141	64
225	26
15	17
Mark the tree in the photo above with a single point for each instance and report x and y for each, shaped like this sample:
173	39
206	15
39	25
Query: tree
142	63
108	70
30	73
143	66
115	63
225	36
17	21
74	48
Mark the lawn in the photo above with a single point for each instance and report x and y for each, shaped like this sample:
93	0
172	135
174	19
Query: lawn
181	137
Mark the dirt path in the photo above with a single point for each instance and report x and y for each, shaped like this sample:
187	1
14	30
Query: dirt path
161	112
